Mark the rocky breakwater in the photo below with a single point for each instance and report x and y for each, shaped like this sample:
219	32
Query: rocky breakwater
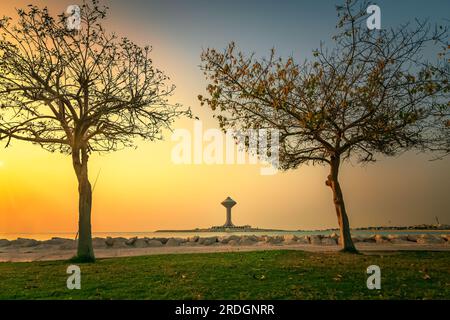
231	240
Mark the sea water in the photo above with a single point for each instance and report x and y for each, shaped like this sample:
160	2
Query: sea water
152	234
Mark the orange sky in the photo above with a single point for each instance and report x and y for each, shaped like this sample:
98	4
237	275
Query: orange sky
142	190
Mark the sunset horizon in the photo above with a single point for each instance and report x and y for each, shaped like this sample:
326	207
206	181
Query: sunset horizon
38	188
224	159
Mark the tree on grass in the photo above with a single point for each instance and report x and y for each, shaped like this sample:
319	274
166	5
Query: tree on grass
79	92
371	94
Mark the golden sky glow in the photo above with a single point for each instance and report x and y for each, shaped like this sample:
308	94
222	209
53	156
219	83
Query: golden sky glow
142	190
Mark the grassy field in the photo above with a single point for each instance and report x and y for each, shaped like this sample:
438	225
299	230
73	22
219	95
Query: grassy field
249	275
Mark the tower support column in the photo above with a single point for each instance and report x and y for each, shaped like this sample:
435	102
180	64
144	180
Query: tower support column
228	203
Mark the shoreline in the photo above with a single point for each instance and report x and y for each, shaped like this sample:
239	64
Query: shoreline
27	250
28	256
11	236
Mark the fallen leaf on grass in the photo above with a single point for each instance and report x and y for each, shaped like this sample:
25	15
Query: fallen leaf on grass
338	278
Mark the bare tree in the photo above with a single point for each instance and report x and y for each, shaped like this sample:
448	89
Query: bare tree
372	93
440	128
79	92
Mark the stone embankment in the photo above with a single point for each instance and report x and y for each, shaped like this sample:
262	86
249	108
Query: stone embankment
232	240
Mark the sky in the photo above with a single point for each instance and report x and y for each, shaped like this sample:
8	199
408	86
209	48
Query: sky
143	190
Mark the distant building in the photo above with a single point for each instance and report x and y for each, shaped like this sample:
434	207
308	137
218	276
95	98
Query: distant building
229	203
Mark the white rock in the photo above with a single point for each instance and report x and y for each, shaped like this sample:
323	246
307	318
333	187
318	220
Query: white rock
430	239
357	239
275	240
57	241
43	246
99	243
397	237
334	235
329	241
4	243
412	237
164	240
400	241
172	242
52	243
140	243
381	239
62	243
226	240
315	239
247	241
370	239
109	241
303	240
131	241
251	238
120	242
154	243
290	237
25	243
208	242
193	239
210	239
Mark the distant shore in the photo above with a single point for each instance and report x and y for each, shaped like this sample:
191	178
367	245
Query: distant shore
21	249
204	232
237	229
421	227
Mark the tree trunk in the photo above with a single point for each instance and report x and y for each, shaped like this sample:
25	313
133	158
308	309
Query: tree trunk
85	250
338	200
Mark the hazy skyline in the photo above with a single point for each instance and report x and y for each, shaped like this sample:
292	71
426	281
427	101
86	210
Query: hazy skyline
142	190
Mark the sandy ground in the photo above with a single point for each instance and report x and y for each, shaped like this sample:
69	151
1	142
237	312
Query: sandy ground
31	254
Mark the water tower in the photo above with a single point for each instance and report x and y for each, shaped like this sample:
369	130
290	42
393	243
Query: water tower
228	203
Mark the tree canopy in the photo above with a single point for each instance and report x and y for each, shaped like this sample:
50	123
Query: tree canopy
63	88
372	92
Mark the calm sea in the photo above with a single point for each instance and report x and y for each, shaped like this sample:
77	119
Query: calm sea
46	236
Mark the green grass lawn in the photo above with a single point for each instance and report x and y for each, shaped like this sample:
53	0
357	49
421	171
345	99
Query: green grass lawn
245	275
